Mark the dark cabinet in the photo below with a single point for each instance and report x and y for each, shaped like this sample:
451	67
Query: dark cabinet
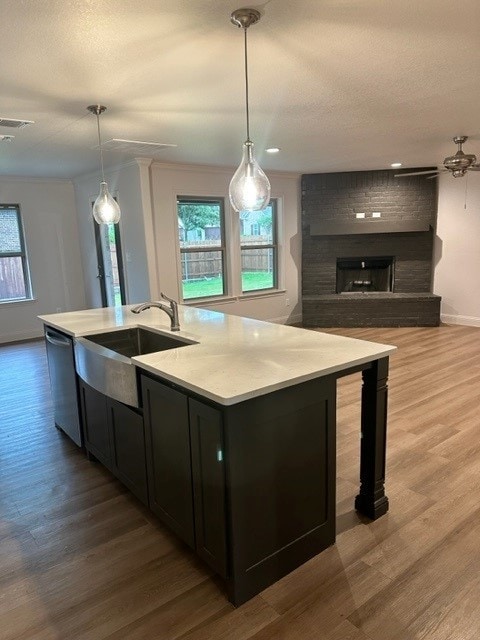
127	446
95	426
208	470
114	434
167	433
280	468
249	486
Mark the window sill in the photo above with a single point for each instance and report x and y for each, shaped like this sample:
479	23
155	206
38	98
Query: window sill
263	293
250	295
22	301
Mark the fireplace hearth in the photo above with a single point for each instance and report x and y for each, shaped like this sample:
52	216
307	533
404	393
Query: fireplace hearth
364	275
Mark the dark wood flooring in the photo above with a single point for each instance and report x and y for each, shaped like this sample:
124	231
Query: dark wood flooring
80	558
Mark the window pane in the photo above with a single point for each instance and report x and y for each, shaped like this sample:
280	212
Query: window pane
9	232
258	269
12	279
256	227
202	274
199	224
110	266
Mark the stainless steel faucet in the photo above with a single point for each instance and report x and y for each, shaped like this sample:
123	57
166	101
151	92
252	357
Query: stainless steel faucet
171	310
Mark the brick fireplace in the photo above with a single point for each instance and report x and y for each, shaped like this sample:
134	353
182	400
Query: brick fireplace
367	250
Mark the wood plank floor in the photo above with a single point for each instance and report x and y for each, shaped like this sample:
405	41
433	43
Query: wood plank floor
82	559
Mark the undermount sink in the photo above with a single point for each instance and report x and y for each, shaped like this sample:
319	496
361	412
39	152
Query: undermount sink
136	341
104	360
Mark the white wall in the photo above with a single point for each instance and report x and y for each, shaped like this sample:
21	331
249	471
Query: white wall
48	213
457	249
170	181
125	183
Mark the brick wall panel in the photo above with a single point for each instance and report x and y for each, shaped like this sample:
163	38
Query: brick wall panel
337	197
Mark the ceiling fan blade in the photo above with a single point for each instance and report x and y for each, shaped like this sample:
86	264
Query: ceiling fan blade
435	176
416	173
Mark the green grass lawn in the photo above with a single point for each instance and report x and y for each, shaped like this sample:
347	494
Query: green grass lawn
251	281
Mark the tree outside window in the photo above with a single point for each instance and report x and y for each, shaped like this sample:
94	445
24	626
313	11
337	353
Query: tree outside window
202	247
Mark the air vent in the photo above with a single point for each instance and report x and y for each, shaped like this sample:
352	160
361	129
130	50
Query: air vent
136	146
6	138
15	124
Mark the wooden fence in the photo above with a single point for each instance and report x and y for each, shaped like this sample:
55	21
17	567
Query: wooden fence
12	281
208	263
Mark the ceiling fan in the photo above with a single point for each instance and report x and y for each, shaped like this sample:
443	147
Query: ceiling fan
457	165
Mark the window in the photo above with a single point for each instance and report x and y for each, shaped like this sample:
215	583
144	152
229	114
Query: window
206	257
111	277
202	247
258	241
14	274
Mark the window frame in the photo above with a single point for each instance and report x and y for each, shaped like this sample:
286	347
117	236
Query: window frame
222	247
273	245
18	254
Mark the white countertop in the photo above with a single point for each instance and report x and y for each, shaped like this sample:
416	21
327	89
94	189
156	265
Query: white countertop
236	358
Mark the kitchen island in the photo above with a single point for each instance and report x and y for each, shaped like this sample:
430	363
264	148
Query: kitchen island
237	434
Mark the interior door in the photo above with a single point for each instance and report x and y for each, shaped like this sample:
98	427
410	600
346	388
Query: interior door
110	264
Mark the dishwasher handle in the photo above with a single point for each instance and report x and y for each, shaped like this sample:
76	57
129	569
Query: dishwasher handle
57	339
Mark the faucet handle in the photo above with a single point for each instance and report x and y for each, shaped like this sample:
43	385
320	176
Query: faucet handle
164	297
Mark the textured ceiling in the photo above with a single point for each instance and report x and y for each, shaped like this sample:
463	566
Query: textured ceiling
337	84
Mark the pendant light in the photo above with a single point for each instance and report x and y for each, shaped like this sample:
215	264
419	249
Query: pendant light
105	208
249	188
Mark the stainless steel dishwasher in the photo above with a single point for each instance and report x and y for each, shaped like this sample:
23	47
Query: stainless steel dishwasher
63	381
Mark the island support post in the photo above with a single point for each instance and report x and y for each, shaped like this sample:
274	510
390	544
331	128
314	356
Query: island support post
372	501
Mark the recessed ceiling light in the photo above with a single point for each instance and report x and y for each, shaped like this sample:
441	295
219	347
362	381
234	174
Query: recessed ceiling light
396	165
272	150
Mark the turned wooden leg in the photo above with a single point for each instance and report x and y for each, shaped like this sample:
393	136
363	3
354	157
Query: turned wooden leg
372	501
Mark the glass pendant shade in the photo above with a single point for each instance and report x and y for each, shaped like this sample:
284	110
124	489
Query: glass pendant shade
249	188
105	208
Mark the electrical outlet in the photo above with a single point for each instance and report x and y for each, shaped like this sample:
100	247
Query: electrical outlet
59	309
360	215
376	214
287	302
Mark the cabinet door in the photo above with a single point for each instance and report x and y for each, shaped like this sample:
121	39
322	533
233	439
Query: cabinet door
168	457
95	426
128	448
206	430
280	483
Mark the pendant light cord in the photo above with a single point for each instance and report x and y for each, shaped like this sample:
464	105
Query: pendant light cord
100	146
246	85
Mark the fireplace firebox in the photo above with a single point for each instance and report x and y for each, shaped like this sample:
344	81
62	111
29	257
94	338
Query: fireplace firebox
365	275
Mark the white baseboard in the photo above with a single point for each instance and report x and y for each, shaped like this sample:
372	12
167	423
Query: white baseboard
467	321
22	335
